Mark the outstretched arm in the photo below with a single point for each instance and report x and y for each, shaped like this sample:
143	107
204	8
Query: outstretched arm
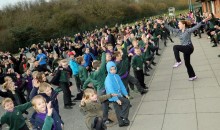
198	25
168	26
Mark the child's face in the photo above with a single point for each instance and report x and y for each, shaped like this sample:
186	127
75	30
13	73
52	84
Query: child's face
44	77
110	48
92	45
108	57
87	50
135	43
93	97
9	106
113	70
40	106
48	91
28	72
64	65
83	62
119	42
137	51
119	57
72	57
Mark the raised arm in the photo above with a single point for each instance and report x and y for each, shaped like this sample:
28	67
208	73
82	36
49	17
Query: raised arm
195	27
168	26
198	25
171	28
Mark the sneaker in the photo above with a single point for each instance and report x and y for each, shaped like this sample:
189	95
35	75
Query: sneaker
214	45
177	64
108	122
192	78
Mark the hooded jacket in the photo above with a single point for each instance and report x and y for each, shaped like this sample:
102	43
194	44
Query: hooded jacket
74	66
114	84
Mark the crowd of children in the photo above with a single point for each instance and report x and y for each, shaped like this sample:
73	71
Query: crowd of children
99	61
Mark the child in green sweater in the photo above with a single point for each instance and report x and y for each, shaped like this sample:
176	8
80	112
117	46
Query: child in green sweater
83	73
13	115
137	65
97	78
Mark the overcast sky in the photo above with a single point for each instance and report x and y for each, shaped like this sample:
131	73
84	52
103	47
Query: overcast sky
4	3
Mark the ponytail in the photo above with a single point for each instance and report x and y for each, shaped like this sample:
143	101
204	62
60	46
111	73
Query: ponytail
187	23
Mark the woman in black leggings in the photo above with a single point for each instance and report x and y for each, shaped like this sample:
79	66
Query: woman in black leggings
186	47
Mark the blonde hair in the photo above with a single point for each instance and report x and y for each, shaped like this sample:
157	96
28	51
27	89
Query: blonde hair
43	86
33	101
5	85
6	100
86	95
7	78
34	74
64	61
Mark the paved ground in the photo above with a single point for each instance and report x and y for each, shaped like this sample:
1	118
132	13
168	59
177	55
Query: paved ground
173	102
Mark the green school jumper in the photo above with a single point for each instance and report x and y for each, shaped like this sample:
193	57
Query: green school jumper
83	73
98	77
15	119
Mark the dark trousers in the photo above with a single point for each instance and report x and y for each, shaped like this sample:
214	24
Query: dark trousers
105	105
98	124
24	127
187	51
66	93
134	81
78	83
122	111
139	75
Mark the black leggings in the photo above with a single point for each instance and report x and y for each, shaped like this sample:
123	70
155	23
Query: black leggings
98	124
187	51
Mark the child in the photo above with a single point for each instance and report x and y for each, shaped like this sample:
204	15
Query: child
13	115
123	71
91	104
55	63
11	92
83	73
88	57
62	78
113	84
137	65
38	117
97	78
28	82
46	90
74	66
